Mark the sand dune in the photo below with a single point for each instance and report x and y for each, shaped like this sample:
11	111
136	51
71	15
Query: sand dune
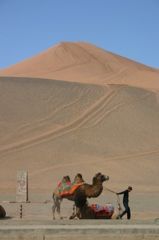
77	108
85	63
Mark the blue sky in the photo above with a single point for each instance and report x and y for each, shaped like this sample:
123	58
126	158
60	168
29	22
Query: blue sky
129	28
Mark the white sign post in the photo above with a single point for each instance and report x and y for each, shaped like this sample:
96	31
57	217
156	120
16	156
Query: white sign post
22	187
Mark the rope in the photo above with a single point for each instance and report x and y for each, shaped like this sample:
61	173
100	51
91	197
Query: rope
109	190
118	199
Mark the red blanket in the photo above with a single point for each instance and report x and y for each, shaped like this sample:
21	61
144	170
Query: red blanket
104	211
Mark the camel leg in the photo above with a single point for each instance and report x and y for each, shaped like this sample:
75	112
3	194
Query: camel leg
55	206
77	214
58	208
53	211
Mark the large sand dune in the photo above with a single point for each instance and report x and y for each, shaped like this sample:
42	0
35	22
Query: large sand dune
85	63
78	108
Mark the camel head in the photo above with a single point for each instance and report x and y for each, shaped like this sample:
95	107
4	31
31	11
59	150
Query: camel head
78	178
100	178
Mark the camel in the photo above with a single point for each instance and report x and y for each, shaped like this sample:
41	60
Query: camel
83	192
86	212
57	199
2	212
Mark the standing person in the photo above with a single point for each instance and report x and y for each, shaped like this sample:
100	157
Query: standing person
126	203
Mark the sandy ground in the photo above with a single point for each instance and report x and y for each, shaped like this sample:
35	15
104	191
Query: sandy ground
143	206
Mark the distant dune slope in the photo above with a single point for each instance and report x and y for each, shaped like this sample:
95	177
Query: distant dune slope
85	63
52	128
78	108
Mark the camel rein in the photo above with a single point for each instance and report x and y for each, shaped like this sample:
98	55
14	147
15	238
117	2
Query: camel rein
118	199
109	190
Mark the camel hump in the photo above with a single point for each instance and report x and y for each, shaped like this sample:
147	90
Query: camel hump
66	179
2	212
78	178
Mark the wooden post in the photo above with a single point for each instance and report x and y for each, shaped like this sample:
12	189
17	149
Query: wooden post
20	211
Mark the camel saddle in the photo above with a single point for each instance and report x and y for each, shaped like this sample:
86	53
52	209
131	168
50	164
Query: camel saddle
67	189
103	211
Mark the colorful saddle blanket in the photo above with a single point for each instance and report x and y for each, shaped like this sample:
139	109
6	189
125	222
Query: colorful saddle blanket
67	189
105	211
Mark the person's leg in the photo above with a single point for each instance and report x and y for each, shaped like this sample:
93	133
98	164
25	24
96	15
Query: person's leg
125	211
128	213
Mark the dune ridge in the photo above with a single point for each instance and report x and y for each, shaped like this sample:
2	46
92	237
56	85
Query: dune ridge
85	63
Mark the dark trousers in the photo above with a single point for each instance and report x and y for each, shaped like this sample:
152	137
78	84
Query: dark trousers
127	210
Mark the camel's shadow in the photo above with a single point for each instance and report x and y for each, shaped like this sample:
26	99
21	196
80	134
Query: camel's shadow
6	218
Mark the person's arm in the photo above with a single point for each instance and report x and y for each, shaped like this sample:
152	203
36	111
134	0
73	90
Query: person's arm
121	192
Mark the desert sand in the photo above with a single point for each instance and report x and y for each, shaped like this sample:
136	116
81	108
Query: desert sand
78	108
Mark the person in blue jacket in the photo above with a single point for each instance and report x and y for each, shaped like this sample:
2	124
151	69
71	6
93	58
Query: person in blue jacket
126	203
